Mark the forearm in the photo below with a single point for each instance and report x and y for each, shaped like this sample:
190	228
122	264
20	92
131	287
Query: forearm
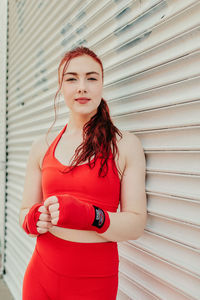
69	212
124	226
23	212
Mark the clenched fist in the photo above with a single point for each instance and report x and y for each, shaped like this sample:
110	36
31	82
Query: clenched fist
44	221
52	206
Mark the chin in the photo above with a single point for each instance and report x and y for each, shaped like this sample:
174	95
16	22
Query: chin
85	112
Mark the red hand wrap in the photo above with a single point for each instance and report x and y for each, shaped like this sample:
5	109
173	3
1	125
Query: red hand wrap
77	214
31	219
106	223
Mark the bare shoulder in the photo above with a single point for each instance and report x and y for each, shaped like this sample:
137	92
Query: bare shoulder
131	147
130	139
40	146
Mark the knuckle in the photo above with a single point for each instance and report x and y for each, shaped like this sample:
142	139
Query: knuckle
41	216
51	208
39	223
53	215
46	218
53	198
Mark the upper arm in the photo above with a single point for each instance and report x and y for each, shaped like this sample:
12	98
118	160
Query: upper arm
133	195
32	185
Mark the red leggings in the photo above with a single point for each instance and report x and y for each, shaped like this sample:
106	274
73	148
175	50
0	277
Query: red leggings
61	270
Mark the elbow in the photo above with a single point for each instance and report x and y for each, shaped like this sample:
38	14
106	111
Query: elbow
138	234
139	231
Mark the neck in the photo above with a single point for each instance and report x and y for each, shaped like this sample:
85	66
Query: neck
76	123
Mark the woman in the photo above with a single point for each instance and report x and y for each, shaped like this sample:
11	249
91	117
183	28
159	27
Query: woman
73	188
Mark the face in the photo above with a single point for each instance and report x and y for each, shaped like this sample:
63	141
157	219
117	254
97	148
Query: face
82	79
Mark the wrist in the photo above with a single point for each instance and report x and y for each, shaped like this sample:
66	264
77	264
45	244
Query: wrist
31	219
101	220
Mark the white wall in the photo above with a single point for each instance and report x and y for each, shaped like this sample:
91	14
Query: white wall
151	55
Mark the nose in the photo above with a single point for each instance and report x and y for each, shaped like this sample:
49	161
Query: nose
82	87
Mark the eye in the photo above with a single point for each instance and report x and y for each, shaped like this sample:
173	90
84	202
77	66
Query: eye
92	78
70	79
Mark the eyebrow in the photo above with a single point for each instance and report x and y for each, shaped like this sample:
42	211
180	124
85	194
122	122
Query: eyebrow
88	73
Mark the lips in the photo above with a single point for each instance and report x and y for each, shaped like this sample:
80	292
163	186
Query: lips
82	100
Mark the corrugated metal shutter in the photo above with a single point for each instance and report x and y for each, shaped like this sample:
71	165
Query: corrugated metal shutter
150	51
3	41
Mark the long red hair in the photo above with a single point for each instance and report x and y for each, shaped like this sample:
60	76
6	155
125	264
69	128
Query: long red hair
99	133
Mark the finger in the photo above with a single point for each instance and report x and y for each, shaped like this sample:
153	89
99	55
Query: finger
45	217
42	230
54	221
50	200
44	224
53	207
43	209
55	214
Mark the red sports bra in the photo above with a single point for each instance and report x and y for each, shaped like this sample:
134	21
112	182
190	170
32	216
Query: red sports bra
82	182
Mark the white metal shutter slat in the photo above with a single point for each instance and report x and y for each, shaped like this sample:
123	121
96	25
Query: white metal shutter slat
147	282
3	87
46	40
147	37
174	184
171	116
163	48
150	51
171	139
30	26
181	232
164	271
173	252
185	210
159	76
49	20
133	289
163	96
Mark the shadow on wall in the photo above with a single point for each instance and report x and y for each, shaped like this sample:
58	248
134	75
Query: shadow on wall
4	291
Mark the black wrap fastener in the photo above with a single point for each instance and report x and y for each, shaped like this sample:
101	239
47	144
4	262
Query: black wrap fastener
99	217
